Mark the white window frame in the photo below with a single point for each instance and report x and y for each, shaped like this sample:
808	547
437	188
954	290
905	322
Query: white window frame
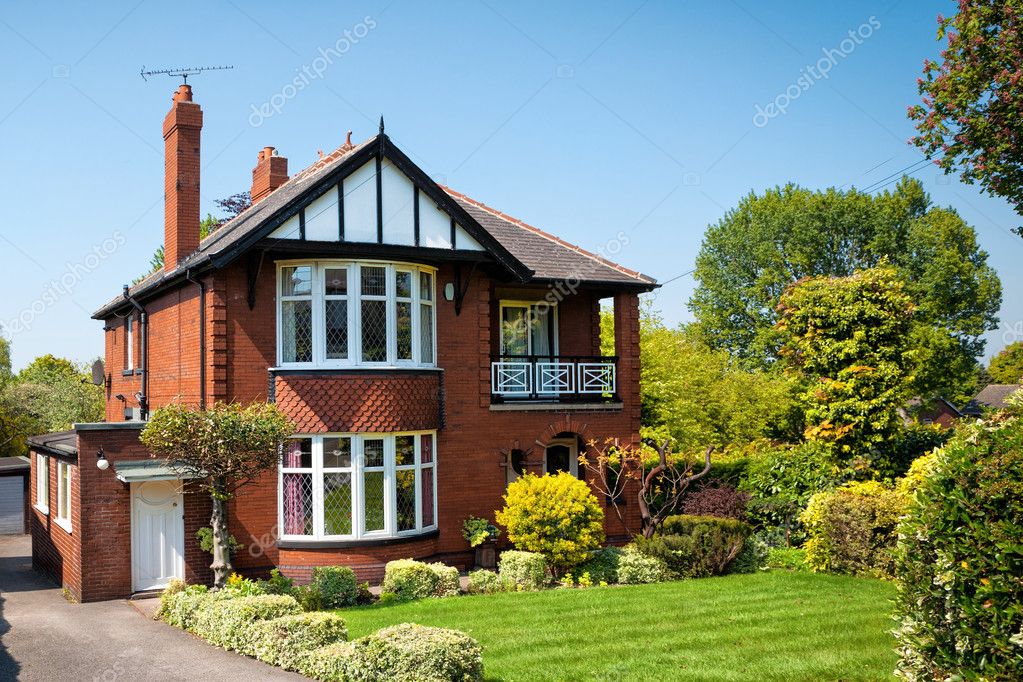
354	297
528	305
63	516
42	484
357	471
129	342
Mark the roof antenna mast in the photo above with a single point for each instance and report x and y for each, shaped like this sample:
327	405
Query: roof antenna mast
183	72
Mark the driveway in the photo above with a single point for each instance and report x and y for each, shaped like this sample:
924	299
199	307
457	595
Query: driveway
44	637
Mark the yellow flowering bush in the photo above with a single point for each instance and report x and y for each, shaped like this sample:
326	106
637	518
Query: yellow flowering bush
557	516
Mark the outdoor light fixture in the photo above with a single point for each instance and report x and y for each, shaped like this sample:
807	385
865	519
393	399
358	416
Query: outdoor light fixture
449	291
102	463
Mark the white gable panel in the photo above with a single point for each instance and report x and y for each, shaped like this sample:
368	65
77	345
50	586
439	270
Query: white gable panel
321	217
289	230
463	240
434	225
361	204
398	195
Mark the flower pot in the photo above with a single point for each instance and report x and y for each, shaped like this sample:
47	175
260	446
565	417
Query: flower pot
486	555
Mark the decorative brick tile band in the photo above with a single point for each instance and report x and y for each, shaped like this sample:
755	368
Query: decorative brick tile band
354	403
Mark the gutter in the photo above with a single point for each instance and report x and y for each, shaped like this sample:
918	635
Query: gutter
144	323
202	337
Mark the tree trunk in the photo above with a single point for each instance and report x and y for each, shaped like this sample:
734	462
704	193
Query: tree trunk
221	550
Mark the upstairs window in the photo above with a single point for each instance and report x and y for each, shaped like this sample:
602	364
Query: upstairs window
129	343
354	313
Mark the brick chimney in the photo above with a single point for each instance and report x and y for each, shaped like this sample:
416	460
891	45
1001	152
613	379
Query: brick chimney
181	129
271	172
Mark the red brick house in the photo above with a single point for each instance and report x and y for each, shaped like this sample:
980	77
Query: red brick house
428	348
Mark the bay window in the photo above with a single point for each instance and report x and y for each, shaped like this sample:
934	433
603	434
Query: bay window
355	313
358	486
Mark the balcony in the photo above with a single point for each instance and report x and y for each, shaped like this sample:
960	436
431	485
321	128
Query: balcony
560	379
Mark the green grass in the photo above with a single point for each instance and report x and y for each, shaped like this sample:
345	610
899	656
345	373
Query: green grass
777	625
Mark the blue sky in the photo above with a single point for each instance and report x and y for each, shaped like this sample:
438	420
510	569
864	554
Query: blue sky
585	119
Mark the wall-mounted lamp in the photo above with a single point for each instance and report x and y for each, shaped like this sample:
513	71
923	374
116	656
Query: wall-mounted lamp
120	396
102	463
449	291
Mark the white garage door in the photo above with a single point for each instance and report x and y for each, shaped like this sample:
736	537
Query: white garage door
12	505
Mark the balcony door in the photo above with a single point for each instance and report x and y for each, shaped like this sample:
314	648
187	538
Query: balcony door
529	329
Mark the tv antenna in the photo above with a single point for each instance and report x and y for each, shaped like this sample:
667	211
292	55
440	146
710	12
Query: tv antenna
184	72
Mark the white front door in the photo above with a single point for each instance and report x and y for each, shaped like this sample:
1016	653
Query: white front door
157	534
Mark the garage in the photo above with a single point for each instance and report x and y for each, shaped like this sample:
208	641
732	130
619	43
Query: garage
13	489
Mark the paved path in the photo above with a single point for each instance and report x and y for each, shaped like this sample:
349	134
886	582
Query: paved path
44	637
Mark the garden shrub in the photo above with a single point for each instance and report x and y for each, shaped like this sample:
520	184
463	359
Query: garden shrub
333	663
720	500
602	566
227	622
787	558
752	557
525	570
853	529
178	607
696	546
485	581
308	597
277	583
285	641
960	558
782	480
405	580
337	586
636	568
557	516
237	586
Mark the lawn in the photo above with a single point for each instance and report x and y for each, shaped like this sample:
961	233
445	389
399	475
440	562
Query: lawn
770	626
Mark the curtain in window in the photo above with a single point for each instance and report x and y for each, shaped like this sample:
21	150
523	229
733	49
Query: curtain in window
294	498
540	329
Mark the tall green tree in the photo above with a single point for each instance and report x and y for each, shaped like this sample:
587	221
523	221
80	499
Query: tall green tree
972	100
698	395
849	340
1007	366
222	449
785	234
54	393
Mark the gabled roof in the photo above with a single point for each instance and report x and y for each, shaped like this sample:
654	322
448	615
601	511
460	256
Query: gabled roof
992	397
526	252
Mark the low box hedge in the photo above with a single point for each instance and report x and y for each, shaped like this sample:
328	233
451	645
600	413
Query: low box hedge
405	580
526	570
285	641
227	622
406	652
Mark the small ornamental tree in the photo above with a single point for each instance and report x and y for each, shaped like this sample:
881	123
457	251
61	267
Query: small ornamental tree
972	101
662	483
221	448
849	339
556	516
1007	366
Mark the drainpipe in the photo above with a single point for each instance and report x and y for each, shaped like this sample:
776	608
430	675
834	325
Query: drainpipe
202	337
144	324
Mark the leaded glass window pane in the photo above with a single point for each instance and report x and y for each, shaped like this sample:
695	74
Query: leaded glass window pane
374	281
406	499
426	333
426	448
337	504
374	500
426	286
374	331
335	281
373	452
298	453
403	284
297	500
336	329
337	453
297	281
297	330
427	495
403	320
404	450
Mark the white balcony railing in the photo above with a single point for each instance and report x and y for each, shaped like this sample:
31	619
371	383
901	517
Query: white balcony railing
553	378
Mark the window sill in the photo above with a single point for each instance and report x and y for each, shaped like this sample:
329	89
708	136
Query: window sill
313	543
554	406
45	511
65	524
351	369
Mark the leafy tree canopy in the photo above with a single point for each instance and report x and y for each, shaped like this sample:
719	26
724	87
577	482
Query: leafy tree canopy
849	340
972	100
1007	366
771	240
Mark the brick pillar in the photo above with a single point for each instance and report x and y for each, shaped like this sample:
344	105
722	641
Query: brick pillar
627	349
181	132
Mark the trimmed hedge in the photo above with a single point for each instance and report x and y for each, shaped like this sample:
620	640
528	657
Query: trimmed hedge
285	641
636	568
336	585
226	622
178	605
602	565
407	652
486	582
960	559
525	570
405	580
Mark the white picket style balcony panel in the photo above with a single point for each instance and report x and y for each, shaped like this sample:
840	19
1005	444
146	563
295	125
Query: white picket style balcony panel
583	379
